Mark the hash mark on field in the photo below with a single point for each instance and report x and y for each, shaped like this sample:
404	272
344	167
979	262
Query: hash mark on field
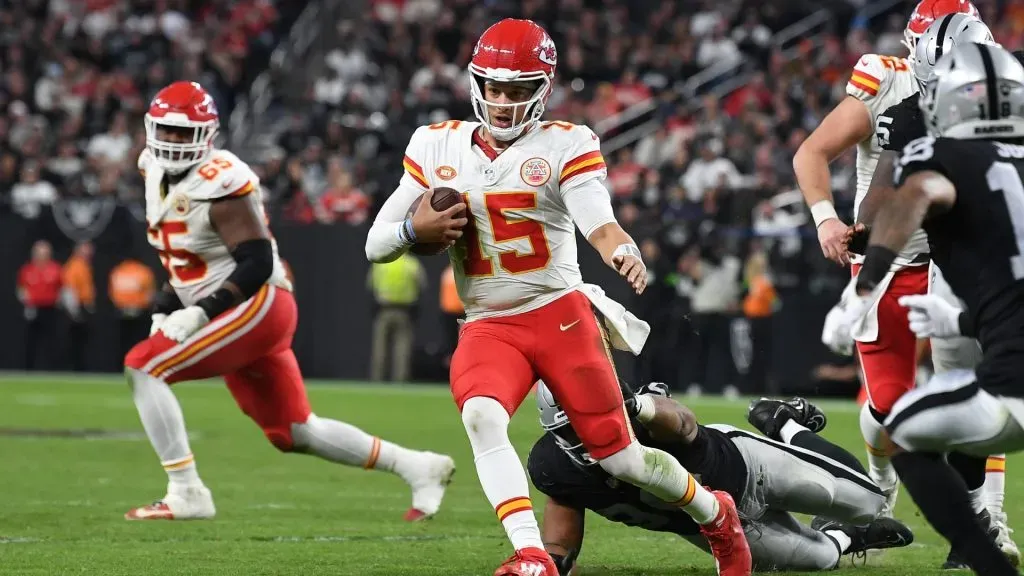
16	540
409	538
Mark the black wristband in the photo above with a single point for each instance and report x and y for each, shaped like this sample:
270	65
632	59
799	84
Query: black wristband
165	302
217	303
965	324
877	261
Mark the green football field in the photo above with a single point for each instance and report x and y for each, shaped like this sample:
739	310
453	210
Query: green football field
73	459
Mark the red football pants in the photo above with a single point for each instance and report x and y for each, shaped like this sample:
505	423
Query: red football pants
561	343
889	364
250	346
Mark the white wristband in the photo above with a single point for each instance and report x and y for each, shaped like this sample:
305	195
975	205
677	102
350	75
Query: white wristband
645	408
823	210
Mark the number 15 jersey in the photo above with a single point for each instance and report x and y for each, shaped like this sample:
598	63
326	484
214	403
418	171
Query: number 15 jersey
518	251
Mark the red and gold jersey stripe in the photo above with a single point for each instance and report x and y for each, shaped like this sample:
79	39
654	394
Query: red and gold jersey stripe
214	337
583	163
866	82
415	171
243	190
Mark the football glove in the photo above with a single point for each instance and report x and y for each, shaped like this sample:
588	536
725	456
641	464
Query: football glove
932	317
182	324
156	320
837	333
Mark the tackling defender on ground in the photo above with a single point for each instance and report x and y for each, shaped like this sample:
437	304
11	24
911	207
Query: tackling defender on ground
794	470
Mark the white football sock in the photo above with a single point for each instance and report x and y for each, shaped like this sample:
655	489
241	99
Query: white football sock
841	538
791	428
657	472
346	444
995	483
877	441
977	497
501	471
165	425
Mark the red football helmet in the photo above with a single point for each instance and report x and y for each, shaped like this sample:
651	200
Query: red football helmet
182	108
928	11
513	51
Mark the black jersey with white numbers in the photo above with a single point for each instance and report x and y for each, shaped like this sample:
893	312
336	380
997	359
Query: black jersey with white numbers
979	244
901	124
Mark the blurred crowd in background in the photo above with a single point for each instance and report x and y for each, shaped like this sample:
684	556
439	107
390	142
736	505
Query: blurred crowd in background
700	173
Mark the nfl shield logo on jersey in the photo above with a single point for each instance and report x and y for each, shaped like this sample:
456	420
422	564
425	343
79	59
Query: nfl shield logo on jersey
535	172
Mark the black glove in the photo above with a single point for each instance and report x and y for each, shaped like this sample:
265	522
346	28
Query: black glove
629	395
859	241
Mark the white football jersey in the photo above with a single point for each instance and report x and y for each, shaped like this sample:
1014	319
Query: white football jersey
178	219
881	82
518	251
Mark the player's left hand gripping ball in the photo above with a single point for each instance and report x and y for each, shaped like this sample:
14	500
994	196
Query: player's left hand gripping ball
181	324
630	264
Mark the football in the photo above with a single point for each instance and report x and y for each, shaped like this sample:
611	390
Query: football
443	199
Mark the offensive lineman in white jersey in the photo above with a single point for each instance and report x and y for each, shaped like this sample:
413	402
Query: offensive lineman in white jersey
528	185
228	311
887	347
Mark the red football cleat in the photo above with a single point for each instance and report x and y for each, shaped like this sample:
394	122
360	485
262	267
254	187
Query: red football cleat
532	562
728	543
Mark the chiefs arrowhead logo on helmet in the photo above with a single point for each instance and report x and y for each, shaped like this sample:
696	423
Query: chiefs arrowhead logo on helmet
546	51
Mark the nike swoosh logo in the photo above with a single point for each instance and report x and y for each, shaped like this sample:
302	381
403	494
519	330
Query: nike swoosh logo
564	327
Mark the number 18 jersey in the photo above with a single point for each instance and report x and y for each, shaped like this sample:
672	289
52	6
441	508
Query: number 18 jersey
179	227
979	244
518	251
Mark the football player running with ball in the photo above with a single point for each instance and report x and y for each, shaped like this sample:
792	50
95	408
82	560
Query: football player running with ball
228	311
527	185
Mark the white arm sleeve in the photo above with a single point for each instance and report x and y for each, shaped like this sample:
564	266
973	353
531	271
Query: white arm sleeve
383	244
590	205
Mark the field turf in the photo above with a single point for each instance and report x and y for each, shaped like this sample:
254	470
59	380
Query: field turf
73	459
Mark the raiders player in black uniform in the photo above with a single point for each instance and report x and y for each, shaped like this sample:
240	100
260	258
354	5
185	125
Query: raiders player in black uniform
964	185
897	127
767	478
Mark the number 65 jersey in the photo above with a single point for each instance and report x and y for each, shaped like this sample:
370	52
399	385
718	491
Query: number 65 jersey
179	227
978	243
518	251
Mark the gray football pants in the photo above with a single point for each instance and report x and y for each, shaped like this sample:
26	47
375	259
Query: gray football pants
784	479
952	413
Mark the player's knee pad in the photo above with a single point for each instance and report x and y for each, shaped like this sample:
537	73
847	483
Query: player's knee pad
486	422
882	397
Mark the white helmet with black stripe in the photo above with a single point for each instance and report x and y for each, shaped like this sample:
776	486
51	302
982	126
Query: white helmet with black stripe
942	36
976	92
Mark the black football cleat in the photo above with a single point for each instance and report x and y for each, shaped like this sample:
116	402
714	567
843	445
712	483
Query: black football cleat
768	415
879	534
